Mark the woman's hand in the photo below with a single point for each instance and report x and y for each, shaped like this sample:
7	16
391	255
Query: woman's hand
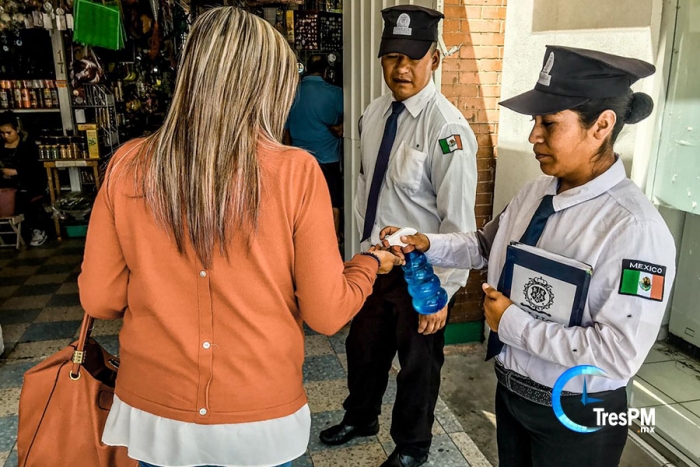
495	304
387	260
9	172
413	242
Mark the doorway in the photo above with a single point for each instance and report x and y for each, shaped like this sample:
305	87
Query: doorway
669	380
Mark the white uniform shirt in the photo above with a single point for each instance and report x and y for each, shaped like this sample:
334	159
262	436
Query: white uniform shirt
425	187
601	223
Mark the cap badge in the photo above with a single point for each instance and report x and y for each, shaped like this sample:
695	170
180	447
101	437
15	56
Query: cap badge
545	77
402	25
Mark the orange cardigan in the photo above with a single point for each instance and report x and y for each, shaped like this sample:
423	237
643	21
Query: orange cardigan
223	345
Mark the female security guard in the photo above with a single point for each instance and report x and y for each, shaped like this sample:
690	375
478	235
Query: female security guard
585	208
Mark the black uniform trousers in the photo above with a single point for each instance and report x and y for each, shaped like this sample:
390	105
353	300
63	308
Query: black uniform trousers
386	323
530	435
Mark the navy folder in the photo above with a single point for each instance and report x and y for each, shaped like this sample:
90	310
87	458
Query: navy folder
548	286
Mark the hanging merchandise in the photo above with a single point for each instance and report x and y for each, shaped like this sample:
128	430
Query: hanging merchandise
154	41
306	30
86	69
98	25
330	31
318	30
13	15
16	15
289	22
12	20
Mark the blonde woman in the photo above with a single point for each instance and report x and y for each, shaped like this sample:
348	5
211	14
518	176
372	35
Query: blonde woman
214	242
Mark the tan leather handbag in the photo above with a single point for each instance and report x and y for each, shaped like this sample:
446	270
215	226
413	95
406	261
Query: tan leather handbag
63	407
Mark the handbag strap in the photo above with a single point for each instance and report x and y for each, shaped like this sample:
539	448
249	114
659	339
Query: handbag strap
79	353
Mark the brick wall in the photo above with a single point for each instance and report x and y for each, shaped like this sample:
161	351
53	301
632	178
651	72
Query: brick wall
471	80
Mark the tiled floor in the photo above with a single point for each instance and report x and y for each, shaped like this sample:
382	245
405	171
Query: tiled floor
40	313
669	381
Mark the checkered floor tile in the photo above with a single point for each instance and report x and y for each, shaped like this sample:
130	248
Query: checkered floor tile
40	314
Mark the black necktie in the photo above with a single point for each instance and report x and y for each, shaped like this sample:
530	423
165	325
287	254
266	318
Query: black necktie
530	237
380	168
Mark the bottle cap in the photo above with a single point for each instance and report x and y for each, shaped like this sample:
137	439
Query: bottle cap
395	238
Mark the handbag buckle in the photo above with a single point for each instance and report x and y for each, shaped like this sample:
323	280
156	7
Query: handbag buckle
79	357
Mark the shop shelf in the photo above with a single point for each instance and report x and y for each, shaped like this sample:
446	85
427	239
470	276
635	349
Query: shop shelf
31	111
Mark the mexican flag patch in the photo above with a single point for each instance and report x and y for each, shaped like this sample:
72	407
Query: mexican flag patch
642	279
451	144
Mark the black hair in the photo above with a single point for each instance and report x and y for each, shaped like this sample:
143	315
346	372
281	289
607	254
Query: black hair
317	64
9	118
630	108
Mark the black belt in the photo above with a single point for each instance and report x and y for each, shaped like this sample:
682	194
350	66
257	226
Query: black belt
525	387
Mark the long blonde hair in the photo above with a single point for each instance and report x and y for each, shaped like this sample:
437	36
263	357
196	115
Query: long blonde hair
199	172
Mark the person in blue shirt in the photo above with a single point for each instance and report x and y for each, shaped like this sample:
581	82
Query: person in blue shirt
315	124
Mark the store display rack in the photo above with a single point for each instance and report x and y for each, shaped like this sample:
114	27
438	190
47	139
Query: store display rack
318	30
33	111
273	2
101	100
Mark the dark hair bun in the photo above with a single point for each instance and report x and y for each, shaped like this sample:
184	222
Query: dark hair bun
640	108
9	118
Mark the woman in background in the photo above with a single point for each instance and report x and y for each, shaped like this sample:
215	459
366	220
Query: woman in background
22	169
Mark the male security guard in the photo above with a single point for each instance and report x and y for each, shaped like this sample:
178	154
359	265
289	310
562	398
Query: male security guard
418	170
585	209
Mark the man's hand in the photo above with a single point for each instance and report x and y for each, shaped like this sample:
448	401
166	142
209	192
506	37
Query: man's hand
9	172
414	242
495	304
430	324
336	130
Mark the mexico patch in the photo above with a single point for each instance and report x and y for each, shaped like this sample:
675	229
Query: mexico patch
642	279
451	144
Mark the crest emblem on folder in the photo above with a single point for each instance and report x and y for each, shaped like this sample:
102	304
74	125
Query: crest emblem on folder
548	286
539	295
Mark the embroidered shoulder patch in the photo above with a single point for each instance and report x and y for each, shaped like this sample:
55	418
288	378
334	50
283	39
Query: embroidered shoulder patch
642	279
451	144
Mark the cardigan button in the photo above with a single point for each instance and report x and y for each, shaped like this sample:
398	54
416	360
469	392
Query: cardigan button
203	273
206	345
202	412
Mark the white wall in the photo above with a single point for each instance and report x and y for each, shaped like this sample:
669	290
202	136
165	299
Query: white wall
522	61
557	15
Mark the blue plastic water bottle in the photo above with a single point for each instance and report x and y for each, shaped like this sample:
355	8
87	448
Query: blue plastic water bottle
423	284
